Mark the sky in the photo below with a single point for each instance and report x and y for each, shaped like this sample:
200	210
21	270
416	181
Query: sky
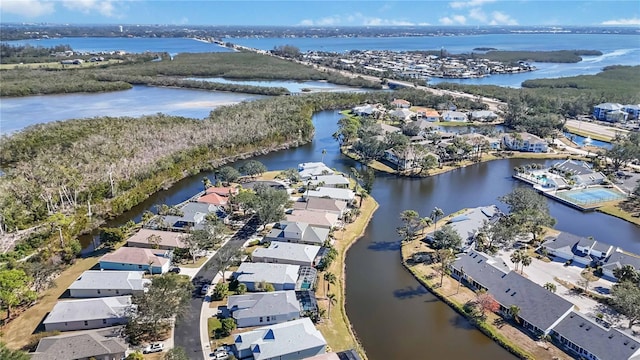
324	12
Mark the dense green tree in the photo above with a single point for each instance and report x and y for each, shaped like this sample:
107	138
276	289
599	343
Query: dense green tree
528	211
550	286
447	238
136	355
253	168
626	299
111	236
8	354
220	291
228	174
14	289
623	150
228	325
411	225
270	203
627	273
176	353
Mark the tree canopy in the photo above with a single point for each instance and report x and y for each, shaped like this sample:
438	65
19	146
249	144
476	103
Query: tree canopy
447	238
626	298
528	212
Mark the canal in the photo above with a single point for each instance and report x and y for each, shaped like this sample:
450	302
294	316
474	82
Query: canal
390	324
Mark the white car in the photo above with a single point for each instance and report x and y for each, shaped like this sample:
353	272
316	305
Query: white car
153	348
205	289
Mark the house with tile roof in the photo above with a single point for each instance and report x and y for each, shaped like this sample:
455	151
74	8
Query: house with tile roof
315	219
168	240
137	259
401	103
267	308
104	344
297	339
85	314
103	283
218	196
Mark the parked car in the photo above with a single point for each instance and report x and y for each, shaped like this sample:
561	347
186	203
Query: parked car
220	353
175	270
205	289
153	348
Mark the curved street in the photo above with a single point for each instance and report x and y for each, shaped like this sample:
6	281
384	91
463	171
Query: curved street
187	330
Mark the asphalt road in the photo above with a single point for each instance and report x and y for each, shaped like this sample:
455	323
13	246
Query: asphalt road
187	329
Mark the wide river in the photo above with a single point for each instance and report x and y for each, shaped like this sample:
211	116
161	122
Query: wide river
389	324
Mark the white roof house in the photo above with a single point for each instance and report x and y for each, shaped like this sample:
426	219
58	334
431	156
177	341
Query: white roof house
96	283
281	276
332	193
287	253
333	181
260	309
296	339
454	116
87	314
297	232
310	169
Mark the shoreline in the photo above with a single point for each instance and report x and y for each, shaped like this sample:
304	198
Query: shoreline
328	329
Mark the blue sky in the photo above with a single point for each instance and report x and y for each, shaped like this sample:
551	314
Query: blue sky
324	13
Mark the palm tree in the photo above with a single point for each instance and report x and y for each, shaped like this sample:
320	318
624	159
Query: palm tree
324	152
332	301
436	213
525	260
550	286
516	257
362	193
146	217
330	279
425	222
206	183
514	311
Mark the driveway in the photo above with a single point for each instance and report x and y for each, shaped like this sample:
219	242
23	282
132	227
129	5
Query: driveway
187	329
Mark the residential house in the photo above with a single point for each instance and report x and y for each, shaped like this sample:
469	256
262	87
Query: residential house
580	172
483	115
424	127
85	314
193	216
586	339
311	169
218	196
315	219
585	251
103	283
632	110
329	181
332	193
104	344
137	259
292	340
281	276
366	110
298	232
469	222
260	309
427	114
402	114
287	253
401	104
456	116
408	159
478	270
337	207
600	111
618	259
150	239
486	142
385	129
524	142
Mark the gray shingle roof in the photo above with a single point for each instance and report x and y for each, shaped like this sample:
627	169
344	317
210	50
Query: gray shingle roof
468	223
78	346
271	273
281	339
604	343
105	279
263	304
285	230
89	309
563	240
321	204
285	251
619	259
482	268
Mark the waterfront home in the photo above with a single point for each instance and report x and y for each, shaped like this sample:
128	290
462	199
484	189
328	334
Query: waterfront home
153	261
404	115
298	232
218	196
281	276
332	193
337	207
310	169
483	115
366	110
104	344
329	181
157	239
600	111
287	253
582	337
297	339
579	171
102	283
315	219
632	110
469	222
476	139
456	116
408	159
192	216
524	142
401	104
618	259
584	251
426	114
260	309
478	270
424	127
87	314
386	129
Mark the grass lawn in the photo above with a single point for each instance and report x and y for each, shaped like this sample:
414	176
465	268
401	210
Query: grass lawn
213	324
594	136
336	329
454	123
197	264
613	209
57	65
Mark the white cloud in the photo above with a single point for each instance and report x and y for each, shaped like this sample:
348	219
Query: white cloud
470	3
354	19
500	18
452	20
629	21
478	14
27	8
104	7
